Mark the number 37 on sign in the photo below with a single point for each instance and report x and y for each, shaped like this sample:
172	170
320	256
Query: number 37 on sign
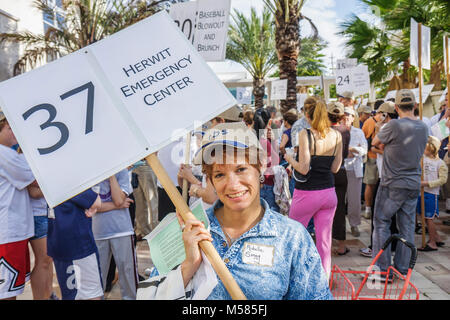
64	119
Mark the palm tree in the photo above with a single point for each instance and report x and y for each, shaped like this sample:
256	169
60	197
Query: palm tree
84	22
251	42
386	50
287	15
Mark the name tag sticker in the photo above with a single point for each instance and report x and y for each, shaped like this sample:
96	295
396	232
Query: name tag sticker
258	254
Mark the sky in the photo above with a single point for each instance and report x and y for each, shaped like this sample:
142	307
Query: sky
326	15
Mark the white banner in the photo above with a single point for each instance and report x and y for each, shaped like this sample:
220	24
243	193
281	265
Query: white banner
360	80
301	97
96	111
184	15
426	90
244	95
205	24
414	45
212	28
446	54
278	89
442	98
355	79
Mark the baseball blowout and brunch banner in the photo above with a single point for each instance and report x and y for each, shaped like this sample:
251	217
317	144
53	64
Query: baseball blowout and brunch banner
205	24
96	111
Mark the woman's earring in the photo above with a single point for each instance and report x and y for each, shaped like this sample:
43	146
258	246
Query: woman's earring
261	178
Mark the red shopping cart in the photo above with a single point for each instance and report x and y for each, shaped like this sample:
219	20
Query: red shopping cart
373	284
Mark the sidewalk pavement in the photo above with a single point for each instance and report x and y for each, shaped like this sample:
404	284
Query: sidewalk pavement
431	274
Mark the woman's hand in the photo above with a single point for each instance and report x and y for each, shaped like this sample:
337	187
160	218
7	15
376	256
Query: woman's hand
193	190
288	158
193	232
185	172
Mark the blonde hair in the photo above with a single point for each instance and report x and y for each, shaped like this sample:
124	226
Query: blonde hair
317	112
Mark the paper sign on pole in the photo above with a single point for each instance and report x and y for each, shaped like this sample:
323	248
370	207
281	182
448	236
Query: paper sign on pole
442	98
212	28
356	80
426	90
360	80
205	24
346	63
244	95
446	54
184	15
112	110
414	45
301	97
278	89
390	94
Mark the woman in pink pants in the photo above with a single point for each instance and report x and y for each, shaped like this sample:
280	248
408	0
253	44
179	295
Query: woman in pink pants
319	156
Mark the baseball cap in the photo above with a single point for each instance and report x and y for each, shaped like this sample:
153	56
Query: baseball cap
404	97
365	109
335	108
349	110
434	141
236	135
387	106
232	114
346	94
2	115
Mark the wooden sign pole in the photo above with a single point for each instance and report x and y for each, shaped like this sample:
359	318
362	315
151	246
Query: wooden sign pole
207	247
187	156
422	200
447	71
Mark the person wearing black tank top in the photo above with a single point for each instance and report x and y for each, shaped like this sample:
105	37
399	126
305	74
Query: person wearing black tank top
336	112
319	157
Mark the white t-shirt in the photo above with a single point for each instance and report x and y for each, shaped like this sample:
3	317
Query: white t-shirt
431	172
115	223
39	207
16	216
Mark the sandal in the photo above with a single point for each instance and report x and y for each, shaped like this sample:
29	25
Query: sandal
440	244
347	250
427	248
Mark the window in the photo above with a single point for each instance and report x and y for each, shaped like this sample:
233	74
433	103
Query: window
53	20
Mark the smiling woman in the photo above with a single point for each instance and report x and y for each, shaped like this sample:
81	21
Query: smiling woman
270	256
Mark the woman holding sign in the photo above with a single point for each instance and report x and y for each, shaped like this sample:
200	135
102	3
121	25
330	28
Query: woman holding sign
269	255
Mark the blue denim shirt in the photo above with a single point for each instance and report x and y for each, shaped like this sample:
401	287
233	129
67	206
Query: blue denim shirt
296	272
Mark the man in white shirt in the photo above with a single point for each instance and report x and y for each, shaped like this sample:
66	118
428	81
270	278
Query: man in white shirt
16	216
354	169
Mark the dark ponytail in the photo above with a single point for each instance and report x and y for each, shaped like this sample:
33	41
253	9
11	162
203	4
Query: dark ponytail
260	120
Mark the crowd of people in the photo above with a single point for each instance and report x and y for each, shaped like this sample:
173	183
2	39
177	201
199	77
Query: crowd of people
314	170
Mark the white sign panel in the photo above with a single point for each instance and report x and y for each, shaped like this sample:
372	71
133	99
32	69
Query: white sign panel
205	24
301	97
446	54
360	80
343	80
414	45
244	95
346	63
113	109
442	98
278	90
426	90
356	80
390	94
184	15
64	123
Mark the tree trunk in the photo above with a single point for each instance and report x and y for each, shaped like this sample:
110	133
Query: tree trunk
258	92
435	76
287	41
